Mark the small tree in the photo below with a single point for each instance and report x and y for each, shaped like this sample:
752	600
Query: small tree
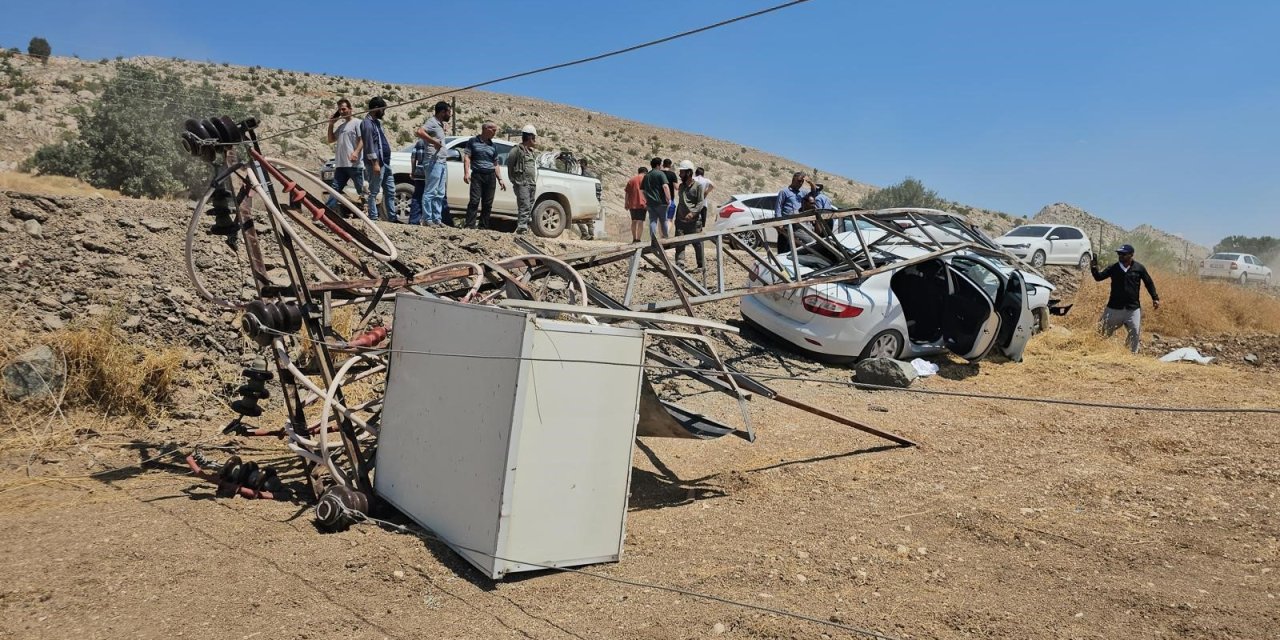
908	193
129	137
39	48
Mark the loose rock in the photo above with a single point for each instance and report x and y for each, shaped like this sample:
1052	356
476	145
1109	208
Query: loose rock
885	372
38	372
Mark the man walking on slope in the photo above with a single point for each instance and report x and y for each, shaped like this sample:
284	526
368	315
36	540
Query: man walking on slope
1123	308
522	168
377	159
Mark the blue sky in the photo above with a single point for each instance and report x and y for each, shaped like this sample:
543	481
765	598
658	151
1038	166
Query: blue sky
1160	112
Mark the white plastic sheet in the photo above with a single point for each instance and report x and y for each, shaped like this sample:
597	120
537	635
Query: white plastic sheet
923	367
1186	354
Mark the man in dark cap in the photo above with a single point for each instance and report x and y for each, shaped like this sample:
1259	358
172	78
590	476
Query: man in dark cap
1123	308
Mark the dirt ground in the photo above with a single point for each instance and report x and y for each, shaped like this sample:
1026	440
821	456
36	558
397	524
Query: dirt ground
1011	520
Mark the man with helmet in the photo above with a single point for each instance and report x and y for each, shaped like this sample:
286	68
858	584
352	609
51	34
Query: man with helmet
522	168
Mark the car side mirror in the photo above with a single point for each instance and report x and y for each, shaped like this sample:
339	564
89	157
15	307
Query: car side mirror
1054	238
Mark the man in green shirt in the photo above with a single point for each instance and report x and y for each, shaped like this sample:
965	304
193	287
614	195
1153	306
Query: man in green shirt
657	194
522	167
691	212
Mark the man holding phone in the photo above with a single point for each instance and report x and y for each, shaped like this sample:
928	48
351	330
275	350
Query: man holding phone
344	134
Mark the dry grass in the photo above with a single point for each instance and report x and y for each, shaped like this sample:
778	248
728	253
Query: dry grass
1189	306
50	185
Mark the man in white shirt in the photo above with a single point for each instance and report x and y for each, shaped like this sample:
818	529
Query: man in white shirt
344	134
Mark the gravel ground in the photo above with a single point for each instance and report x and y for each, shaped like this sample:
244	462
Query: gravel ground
1012	520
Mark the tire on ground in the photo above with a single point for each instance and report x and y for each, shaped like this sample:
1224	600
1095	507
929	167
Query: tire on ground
898	344
549	218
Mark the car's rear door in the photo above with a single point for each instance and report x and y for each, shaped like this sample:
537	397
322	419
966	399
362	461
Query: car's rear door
970	324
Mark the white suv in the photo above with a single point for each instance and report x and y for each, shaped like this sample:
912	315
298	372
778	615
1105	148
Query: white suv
1041	244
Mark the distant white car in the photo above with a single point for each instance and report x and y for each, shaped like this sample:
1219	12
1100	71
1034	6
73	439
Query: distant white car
1041	244
1241	267
963	302
745	209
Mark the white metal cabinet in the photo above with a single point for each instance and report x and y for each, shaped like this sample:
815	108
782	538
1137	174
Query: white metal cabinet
510	435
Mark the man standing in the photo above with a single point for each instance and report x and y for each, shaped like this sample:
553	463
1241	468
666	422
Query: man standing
436	170
480	170
585	229
635	203
657	195
672	180
691	212
418	174
522	168
790	200
377	159
344	134
700	176
791	197
1123	308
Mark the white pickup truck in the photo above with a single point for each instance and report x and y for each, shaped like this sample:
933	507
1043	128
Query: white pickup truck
562	197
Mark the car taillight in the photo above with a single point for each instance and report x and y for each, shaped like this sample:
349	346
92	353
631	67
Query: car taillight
729	210
1234	266
825	306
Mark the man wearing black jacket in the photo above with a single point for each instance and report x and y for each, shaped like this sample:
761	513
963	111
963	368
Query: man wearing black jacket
1123	308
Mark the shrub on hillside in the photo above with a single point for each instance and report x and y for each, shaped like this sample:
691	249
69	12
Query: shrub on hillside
908	193
39	48
129	136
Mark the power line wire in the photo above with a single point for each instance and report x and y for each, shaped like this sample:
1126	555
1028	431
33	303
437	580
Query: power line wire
562	65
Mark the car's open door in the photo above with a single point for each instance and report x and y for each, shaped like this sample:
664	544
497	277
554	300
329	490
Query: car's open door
970	324
1016	319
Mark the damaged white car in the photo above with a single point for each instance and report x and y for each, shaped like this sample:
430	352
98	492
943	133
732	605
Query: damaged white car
968	302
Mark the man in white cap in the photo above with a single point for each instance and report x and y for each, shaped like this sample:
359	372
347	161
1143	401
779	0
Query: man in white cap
691	211
522	167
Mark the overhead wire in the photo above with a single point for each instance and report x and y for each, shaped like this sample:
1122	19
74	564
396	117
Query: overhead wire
562	65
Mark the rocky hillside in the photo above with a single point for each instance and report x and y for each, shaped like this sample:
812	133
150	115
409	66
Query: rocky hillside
37	103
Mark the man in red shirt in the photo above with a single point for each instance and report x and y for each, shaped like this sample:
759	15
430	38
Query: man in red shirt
635	203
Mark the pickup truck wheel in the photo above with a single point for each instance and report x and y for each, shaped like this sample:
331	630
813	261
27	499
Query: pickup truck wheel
404	199
549	219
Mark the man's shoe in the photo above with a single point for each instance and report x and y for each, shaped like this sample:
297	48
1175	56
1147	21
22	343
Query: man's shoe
522	230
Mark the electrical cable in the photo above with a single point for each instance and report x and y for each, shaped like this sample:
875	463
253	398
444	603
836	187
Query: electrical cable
428	535
562	65
845	383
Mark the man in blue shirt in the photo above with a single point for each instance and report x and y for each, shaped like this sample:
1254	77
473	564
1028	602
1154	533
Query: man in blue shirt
377	159
791	197
480	170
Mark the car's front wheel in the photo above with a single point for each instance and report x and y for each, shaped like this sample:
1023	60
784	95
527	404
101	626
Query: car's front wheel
549	219
1040	319
404	199
886	344
1037	259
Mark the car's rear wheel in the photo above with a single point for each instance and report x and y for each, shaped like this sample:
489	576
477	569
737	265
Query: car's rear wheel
549	219
404	199
1037	259
1084	260
1244	279
886	344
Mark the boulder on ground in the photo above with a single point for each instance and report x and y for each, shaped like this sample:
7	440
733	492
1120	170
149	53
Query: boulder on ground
885	372
35	373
